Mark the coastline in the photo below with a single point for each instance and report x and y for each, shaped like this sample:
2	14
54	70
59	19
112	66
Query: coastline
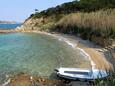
90	50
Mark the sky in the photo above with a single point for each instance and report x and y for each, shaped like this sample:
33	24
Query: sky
19	10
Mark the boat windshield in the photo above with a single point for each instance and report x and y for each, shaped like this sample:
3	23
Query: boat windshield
76	72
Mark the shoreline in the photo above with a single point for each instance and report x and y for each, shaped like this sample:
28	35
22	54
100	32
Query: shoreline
60	37
86	47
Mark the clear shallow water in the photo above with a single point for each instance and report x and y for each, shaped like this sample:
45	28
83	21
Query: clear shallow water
9	26
34	53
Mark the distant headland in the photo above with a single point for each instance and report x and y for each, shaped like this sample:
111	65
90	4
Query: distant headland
7	22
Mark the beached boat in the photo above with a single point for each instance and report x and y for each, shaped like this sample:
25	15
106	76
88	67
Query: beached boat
81	74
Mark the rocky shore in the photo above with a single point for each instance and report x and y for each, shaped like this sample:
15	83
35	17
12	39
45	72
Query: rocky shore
27	80
23	79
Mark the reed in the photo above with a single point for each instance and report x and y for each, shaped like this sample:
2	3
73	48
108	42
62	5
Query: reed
100	23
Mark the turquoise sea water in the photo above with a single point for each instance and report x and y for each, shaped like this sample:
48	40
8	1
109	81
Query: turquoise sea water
9	26
35	53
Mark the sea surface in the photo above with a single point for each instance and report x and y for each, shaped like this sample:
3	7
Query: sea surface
36	54
9	26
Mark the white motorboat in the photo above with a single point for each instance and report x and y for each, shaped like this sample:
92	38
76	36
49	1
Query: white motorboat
81	74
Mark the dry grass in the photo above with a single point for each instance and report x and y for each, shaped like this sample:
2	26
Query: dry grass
100	22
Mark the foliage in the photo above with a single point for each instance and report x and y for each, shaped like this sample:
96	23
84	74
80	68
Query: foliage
97	4
75	6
